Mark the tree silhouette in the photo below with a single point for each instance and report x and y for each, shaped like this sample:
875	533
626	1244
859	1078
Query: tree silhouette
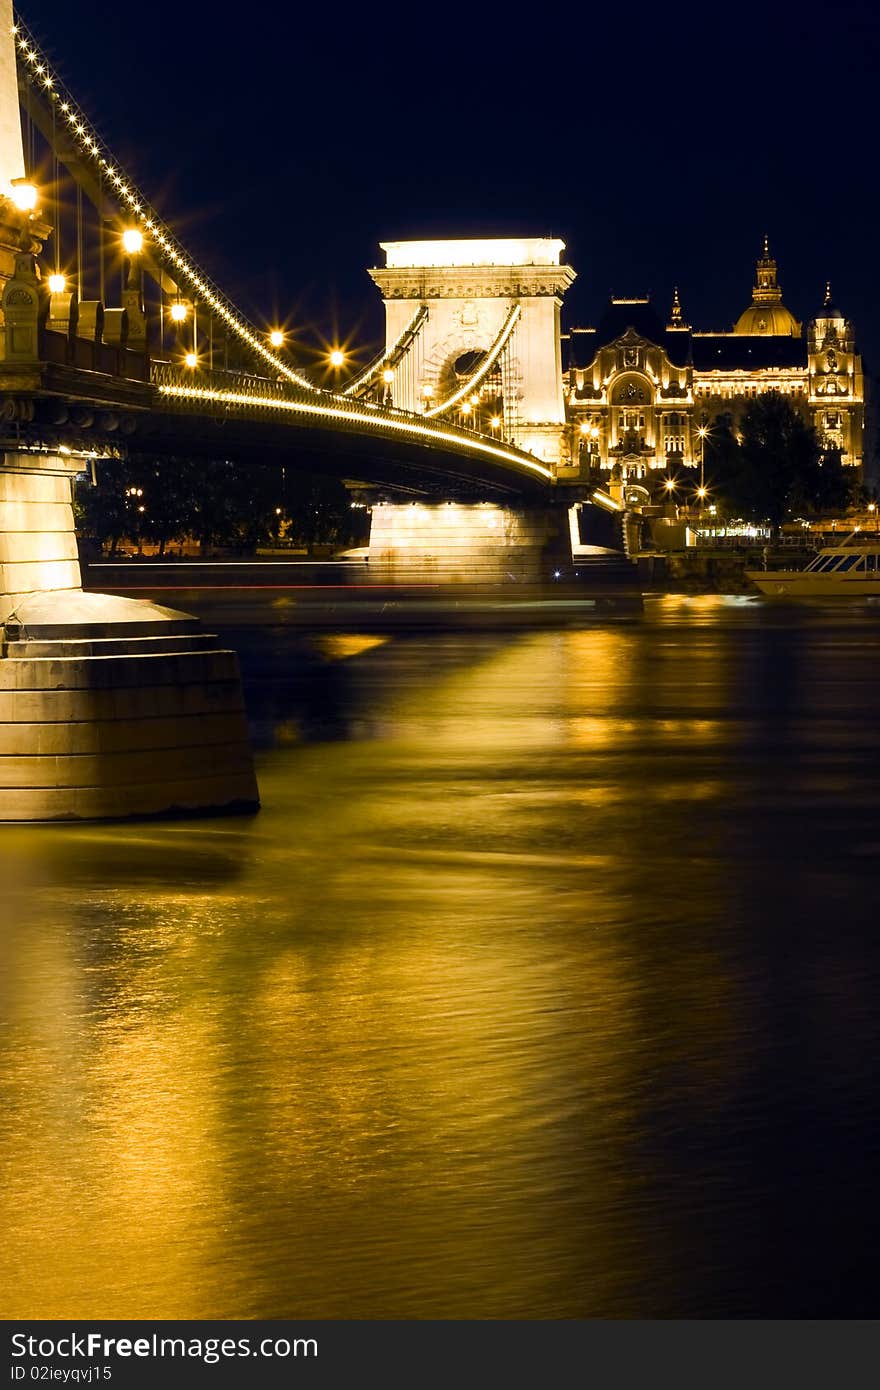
776	467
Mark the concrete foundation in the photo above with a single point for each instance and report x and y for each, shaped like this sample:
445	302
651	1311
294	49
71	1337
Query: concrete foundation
109	707
465	543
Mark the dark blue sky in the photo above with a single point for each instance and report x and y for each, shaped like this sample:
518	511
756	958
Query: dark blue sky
660	143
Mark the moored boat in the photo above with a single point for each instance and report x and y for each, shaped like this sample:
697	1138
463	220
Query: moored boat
850	569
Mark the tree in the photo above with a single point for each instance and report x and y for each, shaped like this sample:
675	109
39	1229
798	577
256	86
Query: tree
723	466
217	502
834	488
168	490
781	468
102	509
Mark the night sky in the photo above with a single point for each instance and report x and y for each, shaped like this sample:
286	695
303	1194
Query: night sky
659	143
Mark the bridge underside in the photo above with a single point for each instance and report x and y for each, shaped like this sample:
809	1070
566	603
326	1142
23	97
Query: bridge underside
103	417
398	467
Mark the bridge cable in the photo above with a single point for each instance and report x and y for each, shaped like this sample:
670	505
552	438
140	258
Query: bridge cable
167	246
392	355
484	368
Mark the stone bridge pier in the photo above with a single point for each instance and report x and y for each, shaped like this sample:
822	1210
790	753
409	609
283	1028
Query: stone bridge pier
109	707
467	543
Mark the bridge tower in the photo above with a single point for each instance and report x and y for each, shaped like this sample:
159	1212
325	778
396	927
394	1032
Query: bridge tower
478	294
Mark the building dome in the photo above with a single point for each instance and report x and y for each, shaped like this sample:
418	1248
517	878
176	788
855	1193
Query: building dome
770	319
767	316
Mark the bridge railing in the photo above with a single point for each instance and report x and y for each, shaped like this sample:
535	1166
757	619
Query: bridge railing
270	389
192	388
72	350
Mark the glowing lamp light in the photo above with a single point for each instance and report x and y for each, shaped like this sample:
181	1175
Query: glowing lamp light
276	338
427	390
191	359
466	408
702	431
585	429
387	377
178	312
57	283
132	241
24	195
669	485
495	422
337	358
702	492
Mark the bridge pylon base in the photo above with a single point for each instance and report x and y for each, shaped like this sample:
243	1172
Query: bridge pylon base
109	707
482	543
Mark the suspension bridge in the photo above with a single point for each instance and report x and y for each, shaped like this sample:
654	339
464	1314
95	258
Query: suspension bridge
117	707
175	345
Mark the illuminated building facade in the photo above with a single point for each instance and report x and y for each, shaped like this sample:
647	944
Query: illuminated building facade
639	390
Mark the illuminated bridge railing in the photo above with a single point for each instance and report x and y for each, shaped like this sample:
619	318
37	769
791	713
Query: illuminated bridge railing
212	391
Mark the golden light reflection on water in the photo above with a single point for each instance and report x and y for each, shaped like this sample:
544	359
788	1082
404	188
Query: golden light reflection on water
339	646
443	1032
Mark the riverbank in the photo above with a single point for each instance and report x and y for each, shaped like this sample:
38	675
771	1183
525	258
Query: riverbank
700	570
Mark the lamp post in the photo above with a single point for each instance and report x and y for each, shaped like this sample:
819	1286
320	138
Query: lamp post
594	446
702	431
336	360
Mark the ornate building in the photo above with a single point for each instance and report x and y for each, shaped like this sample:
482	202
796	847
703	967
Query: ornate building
640	391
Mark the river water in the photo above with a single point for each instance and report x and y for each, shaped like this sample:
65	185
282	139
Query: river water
544	985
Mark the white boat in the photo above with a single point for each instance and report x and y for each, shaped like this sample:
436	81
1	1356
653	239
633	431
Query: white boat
850	569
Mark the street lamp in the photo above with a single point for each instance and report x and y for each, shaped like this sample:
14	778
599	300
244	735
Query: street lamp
132	241
24	194
702	432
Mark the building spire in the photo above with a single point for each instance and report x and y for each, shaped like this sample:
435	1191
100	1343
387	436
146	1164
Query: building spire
827	300
766	289
676	317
